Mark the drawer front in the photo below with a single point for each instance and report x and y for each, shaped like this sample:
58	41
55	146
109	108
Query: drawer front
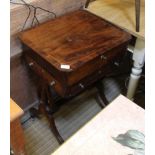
95	65
42	73
106	70
88	81
80	79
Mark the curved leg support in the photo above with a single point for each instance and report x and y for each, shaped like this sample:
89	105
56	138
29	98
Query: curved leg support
101	98
45	98
51	121
138	58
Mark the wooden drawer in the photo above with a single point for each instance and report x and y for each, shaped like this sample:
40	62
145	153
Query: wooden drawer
74	89
62	90
87	81
95	64
68	79
45	75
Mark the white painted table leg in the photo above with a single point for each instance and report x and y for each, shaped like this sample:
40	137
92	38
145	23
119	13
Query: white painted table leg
138	58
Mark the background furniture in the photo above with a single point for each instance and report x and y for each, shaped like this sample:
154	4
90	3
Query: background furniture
95	137
137	12
71	53
122	14
16	132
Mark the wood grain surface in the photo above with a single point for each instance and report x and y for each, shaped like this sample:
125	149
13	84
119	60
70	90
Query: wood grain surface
73	39
15	111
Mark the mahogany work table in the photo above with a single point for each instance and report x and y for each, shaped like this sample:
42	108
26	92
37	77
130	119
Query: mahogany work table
70	53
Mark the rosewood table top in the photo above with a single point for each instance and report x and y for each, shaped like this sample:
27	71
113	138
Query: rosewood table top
72	40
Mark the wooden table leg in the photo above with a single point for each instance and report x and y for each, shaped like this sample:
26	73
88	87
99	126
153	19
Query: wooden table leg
137	10
101	98
17	138
43	108
51	121
53	107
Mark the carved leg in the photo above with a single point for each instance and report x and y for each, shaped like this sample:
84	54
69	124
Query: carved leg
43	109
134	79
51	121
137	10
101	98
53	107
55	131
138	57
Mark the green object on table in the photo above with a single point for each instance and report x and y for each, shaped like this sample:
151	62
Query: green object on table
133	139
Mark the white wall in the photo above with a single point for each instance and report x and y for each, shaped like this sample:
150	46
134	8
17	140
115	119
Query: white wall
18	14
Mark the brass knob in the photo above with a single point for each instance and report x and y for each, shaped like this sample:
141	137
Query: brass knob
81	85
52	83
103	57
31	64
116	63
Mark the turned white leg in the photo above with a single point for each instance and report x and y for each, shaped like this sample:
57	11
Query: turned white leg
138	58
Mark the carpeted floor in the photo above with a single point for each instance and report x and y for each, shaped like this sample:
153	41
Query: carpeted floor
71	116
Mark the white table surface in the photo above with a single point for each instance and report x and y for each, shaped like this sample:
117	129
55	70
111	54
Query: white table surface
95	137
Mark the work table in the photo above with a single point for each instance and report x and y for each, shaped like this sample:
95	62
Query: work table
71	54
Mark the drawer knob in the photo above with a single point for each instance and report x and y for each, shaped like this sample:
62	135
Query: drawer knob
52	83
81	85
103	57
116	63
31	64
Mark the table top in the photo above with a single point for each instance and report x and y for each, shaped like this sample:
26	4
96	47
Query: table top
120	13
96	136
73	39
15	111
